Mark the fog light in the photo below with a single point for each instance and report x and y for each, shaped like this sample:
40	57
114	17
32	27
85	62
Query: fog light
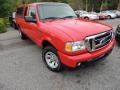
78	64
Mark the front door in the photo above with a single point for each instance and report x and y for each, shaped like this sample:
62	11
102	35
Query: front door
32	28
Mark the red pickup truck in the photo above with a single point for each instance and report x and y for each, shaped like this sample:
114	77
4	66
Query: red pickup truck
64	38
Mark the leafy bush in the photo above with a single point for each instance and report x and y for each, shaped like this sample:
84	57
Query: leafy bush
2	26
6	20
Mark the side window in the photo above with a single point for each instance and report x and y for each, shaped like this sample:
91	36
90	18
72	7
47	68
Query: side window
20	11
31	12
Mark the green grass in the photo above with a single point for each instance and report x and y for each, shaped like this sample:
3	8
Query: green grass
2	26
3	30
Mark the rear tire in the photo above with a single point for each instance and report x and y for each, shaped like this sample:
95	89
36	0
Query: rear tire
22	35
14	26
51	59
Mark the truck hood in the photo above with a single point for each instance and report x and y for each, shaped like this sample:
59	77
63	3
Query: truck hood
78	29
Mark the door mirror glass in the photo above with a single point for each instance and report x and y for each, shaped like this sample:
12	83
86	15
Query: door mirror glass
30	19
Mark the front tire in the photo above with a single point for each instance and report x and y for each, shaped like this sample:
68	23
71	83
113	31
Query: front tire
51	59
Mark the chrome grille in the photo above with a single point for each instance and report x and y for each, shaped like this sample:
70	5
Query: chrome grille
98	41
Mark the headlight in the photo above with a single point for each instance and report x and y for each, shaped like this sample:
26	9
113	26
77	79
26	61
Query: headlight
75	46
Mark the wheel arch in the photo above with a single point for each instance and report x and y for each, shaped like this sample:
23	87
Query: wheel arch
47	43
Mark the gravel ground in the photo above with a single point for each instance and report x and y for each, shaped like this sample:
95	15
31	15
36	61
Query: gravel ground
22	68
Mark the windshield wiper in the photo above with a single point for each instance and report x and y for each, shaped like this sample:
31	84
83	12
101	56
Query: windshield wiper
52	18
68	17
59	17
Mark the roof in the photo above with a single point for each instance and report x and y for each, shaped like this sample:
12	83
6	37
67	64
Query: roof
40	3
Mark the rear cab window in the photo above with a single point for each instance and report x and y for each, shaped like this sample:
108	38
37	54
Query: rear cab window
21	11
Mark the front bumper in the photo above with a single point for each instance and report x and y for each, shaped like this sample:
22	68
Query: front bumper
72	61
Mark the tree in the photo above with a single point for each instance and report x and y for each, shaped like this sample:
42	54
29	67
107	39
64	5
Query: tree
3	8
118	6
7	6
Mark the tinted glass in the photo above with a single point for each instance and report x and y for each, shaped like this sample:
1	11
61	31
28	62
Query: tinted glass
20	11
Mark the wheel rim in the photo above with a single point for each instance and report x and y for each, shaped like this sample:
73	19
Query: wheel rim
51	59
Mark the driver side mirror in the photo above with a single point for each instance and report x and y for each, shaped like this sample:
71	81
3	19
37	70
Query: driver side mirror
30	19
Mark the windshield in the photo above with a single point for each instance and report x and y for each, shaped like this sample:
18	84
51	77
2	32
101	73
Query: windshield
114	11
54	11
106	12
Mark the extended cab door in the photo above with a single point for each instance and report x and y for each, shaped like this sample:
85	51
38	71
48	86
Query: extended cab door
33	27
20	18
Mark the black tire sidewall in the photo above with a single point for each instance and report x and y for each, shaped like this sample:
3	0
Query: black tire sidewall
22	35
51	49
